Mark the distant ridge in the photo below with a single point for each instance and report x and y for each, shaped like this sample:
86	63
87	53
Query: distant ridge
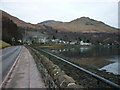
83	24
50	22
83	28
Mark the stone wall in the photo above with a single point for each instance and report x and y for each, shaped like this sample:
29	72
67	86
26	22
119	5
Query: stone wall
52	75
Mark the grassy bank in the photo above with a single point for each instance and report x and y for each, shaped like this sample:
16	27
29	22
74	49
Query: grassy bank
92	64
82	78
3	44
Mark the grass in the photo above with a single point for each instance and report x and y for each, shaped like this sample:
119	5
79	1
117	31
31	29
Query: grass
3	44
91	64
82	78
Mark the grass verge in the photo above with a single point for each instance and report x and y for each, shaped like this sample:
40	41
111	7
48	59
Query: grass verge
3	44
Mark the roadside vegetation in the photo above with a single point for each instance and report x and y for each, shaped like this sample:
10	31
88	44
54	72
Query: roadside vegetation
82	78
91	64
3	44
10	32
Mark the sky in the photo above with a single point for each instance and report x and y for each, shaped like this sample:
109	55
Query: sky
35	11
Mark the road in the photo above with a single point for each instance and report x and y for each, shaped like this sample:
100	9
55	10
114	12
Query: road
25	73
8	56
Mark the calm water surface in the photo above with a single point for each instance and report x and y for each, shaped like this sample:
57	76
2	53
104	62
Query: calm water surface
99	57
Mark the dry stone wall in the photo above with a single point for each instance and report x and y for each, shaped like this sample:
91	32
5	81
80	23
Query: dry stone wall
52	75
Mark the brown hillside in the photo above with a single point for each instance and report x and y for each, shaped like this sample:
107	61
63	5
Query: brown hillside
21	23
84	25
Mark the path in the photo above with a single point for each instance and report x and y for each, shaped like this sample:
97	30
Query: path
25	74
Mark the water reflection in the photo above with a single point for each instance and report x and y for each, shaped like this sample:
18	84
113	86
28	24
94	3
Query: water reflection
114	58
85	49
97	57
87	52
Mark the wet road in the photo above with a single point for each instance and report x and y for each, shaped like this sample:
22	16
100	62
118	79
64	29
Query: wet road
9	55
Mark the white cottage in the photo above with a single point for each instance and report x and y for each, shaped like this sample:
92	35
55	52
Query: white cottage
84	43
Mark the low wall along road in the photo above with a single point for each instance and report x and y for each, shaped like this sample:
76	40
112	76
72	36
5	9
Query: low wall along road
52	75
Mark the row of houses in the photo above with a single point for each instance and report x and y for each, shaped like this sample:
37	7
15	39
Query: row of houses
42	39
62	41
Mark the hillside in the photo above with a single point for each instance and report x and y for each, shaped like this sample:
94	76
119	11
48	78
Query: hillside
83	25
19	22
10	31
82	28
13	27
50	22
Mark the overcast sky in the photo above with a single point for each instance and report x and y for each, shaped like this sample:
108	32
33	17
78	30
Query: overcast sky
35	11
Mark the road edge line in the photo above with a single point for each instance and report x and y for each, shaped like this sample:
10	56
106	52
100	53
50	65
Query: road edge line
10	71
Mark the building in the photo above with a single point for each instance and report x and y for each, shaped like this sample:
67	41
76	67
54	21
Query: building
84	43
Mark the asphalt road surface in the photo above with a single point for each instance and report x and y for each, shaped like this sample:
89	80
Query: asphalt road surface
9	55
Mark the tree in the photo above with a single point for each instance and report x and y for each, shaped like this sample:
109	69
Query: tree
56	31
53	37
79	39
10	31
88	41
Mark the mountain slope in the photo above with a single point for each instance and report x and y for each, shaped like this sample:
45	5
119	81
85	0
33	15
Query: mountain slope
83	25
19	22
82	28
50	22
14	27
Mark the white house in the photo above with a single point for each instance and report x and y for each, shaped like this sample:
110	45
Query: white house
55	40
74	42
42	40
84	43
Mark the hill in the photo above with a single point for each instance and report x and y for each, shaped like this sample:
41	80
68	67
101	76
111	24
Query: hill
50	22
19	22
10	31
13	27
83	25
83	28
